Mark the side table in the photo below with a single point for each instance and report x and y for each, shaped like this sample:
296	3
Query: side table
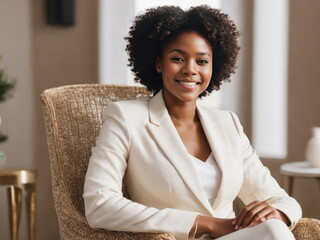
16	180
299	169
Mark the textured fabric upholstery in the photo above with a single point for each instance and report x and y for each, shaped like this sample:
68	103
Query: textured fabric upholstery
307	229
72	116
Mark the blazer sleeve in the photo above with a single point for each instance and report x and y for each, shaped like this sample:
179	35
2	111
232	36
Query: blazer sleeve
105	205
258	184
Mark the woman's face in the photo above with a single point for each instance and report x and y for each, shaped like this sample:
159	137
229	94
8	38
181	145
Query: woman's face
186	67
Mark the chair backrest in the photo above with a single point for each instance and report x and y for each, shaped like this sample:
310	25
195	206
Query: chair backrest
73	119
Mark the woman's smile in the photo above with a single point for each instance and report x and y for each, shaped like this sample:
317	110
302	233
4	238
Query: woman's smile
188	84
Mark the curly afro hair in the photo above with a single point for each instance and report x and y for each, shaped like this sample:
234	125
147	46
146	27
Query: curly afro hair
154	29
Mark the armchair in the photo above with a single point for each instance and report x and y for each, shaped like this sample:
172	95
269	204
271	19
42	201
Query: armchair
72	116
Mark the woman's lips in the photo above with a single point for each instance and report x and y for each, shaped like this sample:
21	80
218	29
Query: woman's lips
188	84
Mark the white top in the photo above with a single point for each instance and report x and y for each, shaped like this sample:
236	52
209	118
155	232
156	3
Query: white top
210	176
299	169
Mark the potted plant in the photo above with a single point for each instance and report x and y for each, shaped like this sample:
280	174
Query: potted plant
6	84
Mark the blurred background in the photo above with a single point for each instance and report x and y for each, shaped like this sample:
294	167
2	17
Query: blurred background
275	91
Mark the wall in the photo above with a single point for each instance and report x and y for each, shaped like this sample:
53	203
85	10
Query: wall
303	88
18	113
40	56
304	93
303	99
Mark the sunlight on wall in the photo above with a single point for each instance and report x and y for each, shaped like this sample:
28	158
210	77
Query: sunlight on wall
270	73
115	18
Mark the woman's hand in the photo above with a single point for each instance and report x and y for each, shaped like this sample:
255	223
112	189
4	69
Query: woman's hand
257	212
221	227
215	227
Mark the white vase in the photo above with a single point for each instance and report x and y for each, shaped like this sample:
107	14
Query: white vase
313	148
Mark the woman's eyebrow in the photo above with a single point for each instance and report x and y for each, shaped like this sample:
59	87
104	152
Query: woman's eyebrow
204	53
183	52
177	50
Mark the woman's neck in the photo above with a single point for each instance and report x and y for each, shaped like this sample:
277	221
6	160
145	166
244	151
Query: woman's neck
181	111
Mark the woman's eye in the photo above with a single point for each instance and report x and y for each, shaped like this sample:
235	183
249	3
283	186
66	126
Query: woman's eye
177	59
203	61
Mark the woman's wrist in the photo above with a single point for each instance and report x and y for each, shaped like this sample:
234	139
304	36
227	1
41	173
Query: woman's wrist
284	218
204	225
215	227
200	226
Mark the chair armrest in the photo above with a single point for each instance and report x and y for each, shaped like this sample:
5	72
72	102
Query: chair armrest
73	225
307	229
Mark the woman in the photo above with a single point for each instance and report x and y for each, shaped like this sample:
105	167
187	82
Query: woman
182	162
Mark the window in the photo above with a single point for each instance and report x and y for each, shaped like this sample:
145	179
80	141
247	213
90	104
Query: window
270	60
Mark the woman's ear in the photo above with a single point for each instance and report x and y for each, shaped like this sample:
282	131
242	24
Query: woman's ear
158	65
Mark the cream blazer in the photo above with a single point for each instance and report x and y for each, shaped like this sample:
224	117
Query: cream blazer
139	144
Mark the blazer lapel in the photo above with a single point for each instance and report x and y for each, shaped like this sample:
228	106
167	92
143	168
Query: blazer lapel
220	148
166	135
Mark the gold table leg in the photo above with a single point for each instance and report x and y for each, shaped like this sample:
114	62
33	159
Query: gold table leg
31	210
14	197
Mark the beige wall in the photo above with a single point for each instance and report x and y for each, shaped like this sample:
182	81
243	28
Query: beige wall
304	93
303	99
18	113
303	88
40	56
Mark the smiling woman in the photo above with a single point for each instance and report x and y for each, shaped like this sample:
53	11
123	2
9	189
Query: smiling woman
158	143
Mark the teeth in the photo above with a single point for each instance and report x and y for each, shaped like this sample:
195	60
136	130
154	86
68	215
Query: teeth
188	83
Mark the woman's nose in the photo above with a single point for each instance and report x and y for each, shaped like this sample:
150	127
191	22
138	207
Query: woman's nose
190	68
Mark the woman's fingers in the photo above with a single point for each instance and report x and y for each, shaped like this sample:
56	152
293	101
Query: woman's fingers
276	214
254	213
238	222
257	212
261	216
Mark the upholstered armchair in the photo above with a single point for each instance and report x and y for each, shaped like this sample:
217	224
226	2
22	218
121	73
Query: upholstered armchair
72	117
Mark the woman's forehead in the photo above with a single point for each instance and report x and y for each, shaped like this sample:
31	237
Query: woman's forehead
189	41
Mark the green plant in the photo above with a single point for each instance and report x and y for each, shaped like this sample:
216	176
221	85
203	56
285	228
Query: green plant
6	85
